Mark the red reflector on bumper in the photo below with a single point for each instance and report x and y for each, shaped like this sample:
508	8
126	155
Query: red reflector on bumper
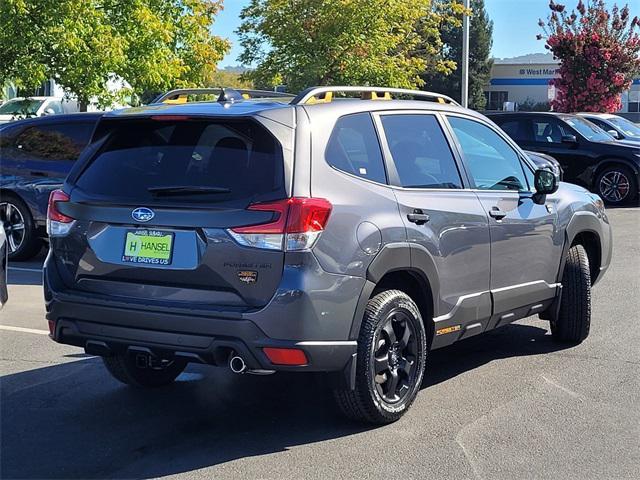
52	327
285	356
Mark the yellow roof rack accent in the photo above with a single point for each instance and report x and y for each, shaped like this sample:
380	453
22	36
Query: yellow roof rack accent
375	96
179	100
325	97
318	94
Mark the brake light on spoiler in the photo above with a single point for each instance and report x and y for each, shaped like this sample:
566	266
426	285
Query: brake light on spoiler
298	223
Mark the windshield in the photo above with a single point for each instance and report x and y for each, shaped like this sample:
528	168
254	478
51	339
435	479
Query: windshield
588	130
627	127
21	107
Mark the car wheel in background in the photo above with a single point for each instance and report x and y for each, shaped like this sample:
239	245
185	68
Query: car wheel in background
617	185
22	237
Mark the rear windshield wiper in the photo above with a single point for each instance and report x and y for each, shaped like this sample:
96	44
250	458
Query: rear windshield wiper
186	190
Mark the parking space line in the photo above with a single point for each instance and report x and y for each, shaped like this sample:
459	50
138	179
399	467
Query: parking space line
25	269
24	330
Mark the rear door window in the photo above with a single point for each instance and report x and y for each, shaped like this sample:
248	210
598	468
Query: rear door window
519	130
354	148
53	142
420	151
197	161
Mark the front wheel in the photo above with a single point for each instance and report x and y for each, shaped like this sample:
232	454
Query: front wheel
574	319
124	368
391	360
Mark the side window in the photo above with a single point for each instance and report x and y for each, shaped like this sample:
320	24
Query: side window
8	146
549	130
600	123
354	148
492	163
55	142
519	130
420	152
56	106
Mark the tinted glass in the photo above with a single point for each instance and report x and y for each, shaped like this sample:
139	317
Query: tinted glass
354	148
492	163
235	162
52	142
628	127
519	130
587	129
550	130
420	152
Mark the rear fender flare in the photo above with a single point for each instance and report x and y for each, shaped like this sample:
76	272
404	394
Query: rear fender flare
399	256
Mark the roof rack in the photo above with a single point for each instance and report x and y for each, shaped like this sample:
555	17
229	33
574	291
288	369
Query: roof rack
314	95
225	94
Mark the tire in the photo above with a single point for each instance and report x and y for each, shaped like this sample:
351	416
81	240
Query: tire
374	399
123	368
617	185
22	236
574	318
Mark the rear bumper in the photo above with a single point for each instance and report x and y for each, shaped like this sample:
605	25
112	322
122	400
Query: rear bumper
106	330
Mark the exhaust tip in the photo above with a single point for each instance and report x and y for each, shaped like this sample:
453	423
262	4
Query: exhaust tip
237	365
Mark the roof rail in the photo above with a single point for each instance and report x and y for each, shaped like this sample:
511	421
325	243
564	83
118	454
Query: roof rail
325	94
180	95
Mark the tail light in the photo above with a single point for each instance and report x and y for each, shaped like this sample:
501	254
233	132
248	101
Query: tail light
58	224
298	223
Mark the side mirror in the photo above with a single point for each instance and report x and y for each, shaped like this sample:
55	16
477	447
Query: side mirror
614	134
569	139
545	182
49	111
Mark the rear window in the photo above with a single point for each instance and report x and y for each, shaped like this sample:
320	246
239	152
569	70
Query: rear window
196	161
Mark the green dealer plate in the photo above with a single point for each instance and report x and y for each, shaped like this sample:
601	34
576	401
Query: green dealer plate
152	247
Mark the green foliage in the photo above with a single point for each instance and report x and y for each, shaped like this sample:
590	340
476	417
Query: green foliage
366	42
480	41
225	78
530	105
84	44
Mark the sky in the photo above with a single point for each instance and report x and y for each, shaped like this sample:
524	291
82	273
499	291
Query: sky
515	25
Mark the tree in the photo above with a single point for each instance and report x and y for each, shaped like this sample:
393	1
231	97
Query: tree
86	44
368	42
598	53
480	41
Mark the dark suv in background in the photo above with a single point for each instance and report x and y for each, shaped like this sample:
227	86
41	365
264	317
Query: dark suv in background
588	155
35	157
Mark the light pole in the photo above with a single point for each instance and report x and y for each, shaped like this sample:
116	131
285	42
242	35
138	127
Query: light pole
465	57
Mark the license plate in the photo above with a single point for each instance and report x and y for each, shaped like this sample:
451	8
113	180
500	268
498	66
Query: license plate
148	246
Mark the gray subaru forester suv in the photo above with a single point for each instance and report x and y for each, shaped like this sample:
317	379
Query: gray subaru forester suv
348	230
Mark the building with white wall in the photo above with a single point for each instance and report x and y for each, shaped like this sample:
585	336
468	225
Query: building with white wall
529	83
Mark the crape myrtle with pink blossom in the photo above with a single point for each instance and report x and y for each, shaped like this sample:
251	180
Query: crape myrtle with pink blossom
598	53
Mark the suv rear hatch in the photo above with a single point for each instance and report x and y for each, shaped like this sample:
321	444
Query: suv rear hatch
153	207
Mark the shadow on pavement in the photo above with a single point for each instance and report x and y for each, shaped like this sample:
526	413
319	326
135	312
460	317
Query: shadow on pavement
73	420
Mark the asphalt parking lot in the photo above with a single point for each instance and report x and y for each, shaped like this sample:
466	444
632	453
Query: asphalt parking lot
508	405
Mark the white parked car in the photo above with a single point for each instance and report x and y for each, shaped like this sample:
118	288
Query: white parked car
20	107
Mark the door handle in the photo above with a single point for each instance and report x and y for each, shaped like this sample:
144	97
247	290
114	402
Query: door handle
37	174
418	217
496	213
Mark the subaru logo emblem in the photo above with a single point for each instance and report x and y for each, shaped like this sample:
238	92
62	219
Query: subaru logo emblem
142	214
